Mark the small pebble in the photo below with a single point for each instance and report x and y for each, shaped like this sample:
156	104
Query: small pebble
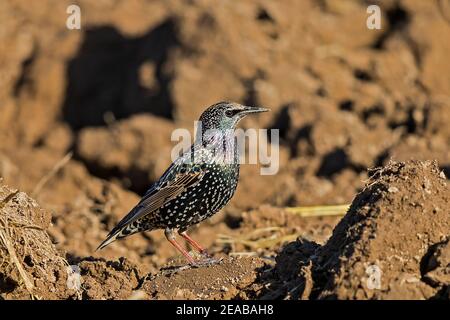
393	189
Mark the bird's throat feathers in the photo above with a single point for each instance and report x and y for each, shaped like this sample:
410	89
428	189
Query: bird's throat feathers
219	146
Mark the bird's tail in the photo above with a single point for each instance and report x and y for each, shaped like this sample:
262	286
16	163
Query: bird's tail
110	238
115	234
127	226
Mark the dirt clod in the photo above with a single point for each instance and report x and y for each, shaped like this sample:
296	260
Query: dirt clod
30	267
390	234
226	280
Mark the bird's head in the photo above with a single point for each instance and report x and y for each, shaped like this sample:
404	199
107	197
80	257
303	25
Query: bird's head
226	115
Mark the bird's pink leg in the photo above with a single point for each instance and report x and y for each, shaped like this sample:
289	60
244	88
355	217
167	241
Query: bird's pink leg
194	243
171	238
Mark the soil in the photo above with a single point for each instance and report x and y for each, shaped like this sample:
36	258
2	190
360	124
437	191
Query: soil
363	118
396	223
30	265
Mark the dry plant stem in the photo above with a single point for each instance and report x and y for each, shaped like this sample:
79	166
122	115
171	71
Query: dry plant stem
8	198
309	211
7	243
4	238
45	179
444	7
319	211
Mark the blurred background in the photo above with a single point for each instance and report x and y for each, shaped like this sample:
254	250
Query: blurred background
86	115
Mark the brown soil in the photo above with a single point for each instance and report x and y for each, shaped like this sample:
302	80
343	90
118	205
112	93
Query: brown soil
345	99
399	223
30	264
231	279
394	223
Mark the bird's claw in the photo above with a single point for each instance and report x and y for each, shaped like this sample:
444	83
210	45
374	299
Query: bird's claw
204	253
206	262
174	269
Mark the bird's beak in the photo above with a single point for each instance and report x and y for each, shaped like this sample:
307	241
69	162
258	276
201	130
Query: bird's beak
248	110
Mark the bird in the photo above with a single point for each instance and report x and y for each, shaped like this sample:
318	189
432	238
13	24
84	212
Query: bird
198	184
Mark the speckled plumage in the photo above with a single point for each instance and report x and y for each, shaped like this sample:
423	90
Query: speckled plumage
196	185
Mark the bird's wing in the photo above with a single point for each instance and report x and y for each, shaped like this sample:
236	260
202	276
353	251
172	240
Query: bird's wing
175	181
181	175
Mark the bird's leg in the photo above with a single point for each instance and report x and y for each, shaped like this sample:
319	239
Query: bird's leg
195	244
207	259
171	238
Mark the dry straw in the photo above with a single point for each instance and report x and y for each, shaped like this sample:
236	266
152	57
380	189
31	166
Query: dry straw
319	211
20	237
45	179
5	241
258	238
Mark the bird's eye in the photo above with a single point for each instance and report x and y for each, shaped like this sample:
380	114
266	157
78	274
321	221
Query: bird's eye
231	113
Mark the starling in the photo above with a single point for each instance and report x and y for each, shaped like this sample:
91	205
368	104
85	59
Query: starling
196	185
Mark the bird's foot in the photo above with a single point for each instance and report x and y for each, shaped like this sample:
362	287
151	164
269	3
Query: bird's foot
204	253
206	262
175	269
